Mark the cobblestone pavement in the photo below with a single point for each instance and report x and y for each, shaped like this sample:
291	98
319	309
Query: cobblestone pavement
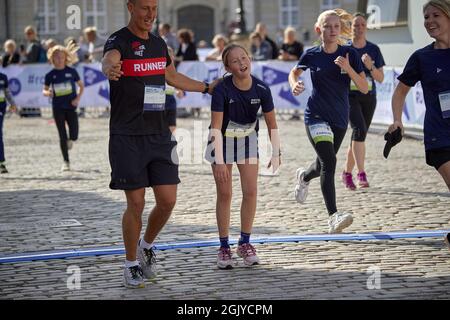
35	197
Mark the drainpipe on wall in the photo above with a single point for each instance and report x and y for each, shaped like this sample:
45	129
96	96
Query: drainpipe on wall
7	28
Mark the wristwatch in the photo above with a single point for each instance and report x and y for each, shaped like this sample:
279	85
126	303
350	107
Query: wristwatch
206	88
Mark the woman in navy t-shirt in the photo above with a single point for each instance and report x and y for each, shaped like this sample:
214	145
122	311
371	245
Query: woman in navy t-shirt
234	139
332	67
431	66
362	106
60	85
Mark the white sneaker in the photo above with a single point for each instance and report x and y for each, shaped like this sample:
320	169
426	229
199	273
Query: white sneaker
133	277
301	189
147	261
69	144
65	167
339	221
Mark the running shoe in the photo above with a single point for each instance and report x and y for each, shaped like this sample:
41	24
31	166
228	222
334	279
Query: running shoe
65	167
3	168
147	261
347	179
133	277
224	259
247	252
339	221
362	180
301	189
69	144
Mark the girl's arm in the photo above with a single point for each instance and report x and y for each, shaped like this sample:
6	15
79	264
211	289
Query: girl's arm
297	87
398	101
76	101
221	172
359	79
10	99
274	136
47	92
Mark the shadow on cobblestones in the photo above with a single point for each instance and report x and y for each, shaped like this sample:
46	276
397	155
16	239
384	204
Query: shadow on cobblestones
286	274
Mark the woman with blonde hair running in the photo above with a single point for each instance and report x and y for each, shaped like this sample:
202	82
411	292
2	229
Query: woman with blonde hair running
333	65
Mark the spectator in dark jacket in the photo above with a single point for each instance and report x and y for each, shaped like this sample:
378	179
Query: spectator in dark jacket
11	55
32	53
291	50
260	49
187	51
262	30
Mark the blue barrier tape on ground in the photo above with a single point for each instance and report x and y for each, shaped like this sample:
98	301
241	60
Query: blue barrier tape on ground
119	250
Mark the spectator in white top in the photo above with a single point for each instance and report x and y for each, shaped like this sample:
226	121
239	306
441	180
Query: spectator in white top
94	46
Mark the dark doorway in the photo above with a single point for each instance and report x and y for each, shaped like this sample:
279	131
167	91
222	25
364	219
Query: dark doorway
199	19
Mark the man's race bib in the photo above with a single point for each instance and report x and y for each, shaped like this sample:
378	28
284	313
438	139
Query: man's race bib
62	89
321	132
154	98
354	87
444	99
2	95
236	130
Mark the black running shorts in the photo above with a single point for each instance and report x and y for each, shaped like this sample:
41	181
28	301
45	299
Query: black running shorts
142	161
438	157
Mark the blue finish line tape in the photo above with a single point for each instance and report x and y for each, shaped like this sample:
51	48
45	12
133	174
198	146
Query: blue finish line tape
119	250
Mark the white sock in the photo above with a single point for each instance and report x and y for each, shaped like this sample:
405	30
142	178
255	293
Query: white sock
145	245
129	264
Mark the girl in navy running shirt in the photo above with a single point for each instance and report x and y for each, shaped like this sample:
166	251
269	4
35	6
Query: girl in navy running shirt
234	139
431	66
60	85
332	67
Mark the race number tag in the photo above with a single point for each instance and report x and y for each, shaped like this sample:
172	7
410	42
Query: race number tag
444	99
154	98
321	132
236	130
2	95
353	86
62	89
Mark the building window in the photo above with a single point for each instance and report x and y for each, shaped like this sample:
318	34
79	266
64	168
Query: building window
330	4
385	13
95	15
47	17
289	13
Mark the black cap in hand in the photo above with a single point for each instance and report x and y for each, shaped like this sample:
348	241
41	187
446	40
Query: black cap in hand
392	139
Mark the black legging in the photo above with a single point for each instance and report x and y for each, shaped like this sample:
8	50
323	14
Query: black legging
362	109
62	116
325	166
